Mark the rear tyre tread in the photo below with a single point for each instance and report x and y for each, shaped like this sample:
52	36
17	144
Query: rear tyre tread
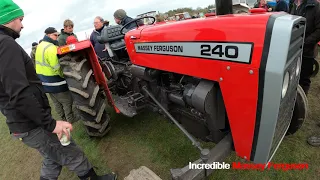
78	91
79	67
88	99
87	110
73	75
94	96
86	79
99	116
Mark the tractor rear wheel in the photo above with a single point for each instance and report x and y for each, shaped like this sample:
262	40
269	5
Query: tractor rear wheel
87	95
299	112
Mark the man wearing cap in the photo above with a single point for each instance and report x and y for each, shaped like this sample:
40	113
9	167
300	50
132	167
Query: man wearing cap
24	103
121	18
50	73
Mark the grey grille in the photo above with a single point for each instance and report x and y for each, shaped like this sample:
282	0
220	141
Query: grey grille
296	40
287	103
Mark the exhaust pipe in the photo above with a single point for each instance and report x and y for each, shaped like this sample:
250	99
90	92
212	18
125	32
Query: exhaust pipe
223	7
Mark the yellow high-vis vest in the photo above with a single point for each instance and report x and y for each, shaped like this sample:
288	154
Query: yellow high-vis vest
48	68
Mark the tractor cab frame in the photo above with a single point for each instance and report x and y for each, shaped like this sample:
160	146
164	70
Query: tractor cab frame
146	14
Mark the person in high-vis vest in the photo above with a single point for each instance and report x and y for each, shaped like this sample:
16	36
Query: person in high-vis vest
50	73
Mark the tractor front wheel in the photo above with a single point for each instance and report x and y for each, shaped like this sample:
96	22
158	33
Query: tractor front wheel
86	93
299	112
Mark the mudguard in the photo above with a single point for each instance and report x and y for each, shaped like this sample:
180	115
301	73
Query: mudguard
87	48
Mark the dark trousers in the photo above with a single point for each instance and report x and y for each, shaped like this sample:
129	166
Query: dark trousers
55	155
306	72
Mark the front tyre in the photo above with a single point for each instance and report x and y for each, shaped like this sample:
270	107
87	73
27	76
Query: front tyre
299	113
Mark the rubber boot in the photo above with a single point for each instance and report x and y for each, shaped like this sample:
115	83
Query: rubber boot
91	175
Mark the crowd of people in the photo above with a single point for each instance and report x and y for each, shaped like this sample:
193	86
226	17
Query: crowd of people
281	5
24	82
45	59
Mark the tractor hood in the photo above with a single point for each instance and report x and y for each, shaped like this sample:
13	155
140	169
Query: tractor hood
185	40
136	33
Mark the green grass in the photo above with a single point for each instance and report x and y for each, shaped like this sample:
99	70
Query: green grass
151	140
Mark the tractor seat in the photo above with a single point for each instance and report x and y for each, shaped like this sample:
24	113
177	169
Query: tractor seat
110	34
118	45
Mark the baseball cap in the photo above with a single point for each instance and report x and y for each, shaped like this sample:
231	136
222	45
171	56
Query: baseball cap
50	30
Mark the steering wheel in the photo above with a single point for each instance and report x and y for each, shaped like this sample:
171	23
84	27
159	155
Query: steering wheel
136	21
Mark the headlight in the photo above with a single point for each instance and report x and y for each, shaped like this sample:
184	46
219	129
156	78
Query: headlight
285	84
298	66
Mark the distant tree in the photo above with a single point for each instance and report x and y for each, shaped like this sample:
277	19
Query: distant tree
211	6
190	10
199	9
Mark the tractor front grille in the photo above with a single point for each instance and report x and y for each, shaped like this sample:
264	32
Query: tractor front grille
296	41
287	103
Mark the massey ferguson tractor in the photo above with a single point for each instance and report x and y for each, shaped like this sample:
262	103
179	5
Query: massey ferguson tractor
231	79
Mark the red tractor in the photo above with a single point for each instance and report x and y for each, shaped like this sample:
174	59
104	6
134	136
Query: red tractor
240	92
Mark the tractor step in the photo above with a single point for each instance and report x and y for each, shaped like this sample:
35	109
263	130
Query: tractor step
130	103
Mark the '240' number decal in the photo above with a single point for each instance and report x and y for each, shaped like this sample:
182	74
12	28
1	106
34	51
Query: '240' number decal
206	50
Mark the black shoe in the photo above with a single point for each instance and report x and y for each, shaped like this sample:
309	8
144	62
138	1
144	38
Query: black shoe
111	176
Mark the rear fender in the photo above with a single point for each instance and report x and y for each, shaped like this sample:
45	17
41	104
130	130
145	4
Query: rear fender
86	47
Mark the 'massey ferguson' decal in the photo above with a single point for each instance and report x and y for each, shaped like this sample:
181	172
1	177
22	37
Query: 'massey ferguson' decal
238	52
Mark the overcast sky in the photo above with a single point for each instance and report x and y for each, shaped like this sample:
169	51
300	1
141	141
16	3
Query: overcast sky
40	14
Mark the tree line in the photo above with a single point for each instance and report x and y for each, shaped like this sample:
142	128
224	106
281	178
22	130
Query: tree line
190	10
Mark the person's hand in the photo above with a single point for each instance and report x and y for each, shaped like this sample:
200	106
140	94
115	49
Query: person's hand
61	128
105	48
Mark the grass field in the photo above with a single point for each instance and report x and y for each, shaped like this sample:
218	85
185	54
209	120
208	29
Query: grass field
152	141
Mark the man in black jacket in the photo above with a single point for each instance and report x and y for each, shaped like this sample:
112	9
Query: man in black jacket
120	17
99	24
26	107
282	6
310	9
